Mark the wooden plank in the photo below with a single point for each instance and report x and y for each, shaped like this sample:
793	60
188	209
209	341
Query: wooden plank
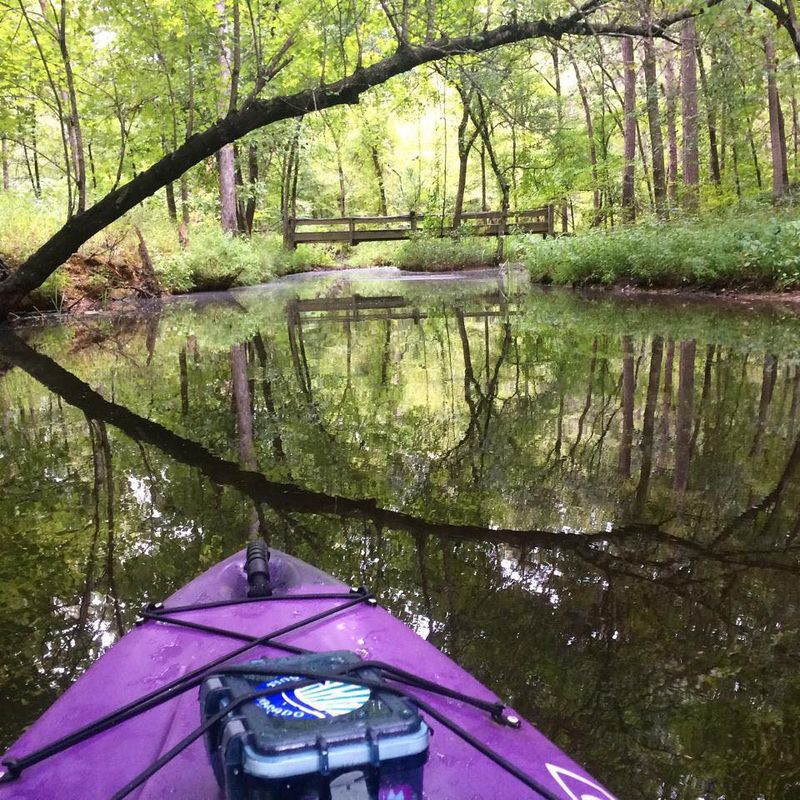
309	221
388	235
322	236
485	223
349	303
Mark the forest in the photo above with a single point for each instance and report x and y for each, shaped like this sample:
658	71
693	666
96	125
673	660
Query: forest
153	146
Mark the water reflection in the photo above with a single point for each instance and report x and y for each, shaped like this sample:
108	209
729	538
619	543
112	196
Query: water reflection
591	503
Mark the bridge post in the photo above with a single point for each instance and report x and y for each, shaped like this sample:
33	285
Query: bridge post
289	239
352	230
412	217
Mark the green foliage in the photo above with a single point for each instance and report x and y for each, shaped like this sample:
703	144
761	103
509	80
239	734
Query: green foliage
304	257
215	260
25	223
759	251
431	254
373	254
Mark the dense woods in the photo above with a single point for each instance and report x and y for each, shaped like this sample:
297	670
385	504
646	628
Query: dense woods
244	114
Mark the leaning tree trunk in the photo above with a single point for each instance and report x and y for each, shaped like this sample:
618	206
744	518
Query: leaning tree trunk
629	130
691	147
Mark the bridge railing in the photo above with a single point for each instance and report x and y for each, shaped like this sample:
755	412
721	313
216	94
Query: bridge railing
354	229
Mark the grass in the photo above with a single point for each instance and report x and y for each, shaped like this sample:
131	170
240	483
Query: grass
759	251
432	254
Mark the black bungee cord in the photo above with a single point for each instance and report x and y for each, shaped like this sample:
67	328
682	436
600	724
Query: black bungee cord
159	613
15	766
308	677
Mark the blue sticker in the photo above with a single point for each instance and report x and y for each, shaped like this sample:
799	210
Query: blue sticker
317	701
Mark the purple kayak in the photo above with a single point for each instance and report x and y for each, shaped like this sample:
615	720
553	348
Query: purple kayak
507	757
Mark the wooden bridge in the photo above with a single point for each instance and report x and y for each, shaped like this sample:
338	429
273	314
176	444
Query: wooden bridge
389	308
354	230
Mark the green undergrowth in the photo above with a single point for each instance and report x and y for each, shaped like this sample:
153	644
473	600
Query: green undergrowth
210	261
433	254
758	251
743	248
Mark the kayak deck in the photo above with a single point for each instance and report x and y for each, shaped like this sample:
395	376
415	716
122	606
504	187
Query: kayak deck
156	653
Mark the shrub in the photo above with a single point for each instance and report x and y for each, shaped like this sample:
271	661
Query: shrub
303	258
758	251
431	254
216	261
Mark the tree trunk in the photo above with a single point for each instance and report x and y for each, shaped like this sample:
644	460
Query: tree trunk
587	113
4	156
185	200
149	279
691	150
484	201
481	122
754	152
74	121
628	389
183	372
464	144
648	423
683	423
629	130
226	158
252	177
342	183
376	165
671	96
777	137
795	131
654	124
564	204
463	165
289	187
711	115
645	166
37	183
172	208
243	405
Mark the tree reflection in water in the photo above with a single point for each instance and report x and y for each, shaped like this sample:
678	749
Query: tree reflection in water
590	503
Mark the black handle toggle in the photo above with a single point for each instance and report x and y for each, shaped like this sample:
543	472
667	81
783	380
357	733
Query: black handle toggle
257	568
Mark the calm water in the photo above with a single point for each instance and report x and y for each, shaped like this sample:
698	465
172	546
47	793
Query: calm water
591	503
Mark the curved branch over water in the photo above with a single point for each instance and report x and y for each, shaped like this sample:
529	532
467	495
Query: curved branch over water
288	497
